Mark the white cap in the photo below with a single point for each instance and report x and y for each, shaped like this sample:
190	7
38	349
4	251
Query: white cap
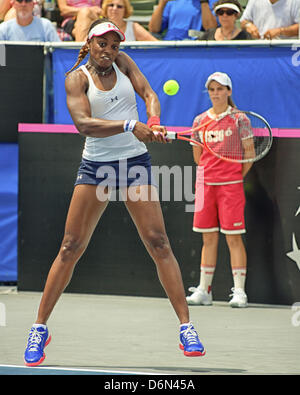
103	28
228	5
221	78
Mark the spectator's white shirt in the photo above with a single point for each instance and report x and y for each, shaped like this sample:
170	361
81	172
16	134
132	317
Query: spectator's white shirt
266	15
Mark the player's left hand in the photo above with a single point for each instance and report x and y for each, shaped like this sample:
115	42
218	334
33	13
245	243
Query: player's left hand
160	133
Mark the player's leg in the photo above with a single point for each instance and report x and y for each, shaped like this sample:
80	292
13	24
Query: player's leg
202	294
84	212
238	260
206	222
232	223
147	216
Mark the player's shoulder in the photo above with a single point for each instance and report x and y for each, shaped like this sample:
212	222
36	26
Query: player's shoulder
76	79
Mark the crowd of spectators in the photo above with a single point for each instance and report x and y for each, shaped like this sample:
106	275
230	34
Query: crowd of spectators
171	20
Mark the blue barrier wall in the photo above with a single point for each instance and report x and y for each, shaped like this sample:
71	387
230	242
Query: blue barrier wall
8	211
264	80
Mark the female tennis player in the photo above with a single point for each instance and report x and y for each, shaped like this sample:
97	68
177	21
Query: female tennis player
101	101
222	193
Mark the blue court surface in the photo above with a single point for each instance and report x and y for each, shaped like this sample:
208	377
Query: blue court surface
114	336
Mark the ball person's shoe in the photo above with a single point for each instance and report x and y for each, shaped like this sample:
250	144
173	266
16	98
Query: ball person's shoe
199	297
189	341
38	339
239	298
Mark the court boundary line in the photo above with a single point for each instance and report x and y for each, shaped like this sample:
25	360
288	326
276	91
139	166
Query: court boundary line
79	370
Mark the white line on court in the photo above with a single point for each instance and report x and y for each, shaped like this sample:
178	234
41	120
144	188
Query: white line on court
78	370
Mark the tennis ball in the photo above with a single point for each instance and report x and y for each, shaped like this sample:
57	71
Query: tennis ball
171	87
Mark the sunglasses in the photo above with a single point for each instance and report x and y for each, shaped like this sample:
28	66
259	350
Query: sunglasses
227	12
26	1
119	6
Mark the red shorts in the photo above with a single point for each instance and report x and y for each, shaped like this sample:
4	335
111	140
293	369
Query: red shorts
221	207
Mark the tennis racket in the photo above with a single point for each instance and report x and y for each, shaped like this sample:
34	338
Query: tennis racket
238	136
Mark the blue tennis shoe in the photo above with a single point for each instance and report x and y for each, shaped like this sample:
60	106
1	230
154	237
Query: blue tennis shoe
38	339
189	341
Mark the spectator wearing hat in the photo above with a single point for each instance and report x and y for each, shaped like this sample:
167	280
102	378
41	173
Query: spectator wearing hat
227	12
220	194
269	19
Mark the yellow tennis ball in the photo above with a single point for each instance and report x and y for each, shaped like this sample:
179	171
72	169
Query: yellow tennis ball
171	87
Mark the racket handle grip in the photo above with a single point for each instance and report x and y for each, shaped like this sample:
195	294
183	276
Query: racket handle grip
171	135
166	137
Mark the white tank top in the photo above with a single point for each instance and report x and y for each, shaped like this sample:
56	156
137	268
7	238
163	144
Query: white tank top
117	104
129	32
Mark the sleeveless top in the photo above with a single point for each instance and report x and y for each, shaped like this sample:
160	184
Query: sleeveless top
117	104
129	32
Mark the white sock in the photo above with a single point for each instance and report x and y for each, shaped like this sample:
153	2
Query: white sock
206	277
239	278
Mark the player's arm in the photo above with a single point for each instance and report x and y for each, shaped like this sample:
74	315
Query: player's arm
76	85
140	84
143	89
197	152
249	152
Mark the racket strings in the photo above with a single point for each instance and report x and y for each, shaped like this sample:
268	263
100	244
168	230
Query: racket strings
238	137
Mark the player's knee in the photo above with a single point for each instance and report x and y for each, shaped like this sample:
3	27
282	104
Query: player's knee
211	239
234	241
71	248
158	244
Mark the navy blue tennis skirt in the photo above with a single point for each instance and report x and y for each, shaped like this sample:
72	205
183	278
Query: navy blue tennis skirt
117	174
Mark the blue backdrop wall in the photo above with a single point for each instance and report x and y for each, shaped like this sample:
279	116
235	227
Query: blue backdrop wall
264	80
8	211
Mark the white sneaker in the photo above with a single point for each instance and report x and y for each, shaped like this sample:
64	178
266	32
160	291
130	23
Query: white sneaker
239	298
199	297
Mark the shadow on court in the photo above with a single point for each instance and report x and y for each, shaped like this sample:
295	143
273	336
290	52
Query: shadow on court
122	335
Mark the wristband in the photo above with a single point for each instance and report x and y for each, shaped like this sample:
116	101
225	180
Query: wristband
153	121
129	125
203	1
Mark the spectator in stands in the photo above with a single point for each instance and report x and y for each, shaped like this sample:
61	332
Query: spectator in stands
25	26
117	11
78	16
177	17
6	10
270	19
227	11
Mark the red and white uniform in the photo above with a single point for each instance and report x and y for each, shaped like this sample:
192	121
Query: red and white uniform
220	198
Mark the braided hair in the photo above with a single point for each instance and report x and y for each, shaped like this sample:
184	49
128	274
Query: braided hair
85	49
